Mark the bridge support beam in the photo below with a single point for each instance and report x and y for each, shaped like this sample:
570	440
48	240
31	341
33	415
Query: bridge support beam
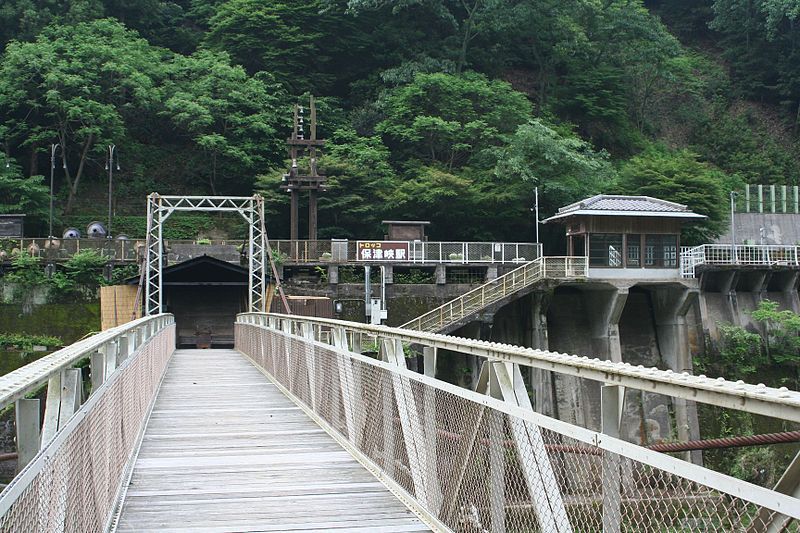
504	381
670	306
419	438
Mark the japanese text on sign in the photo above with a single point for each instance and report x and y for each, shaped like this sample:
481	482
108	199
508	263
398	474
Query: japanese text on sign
382	251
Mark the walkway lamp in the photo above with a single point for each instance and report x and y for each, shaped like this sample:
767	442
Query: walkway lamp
112	149
53	149
734	257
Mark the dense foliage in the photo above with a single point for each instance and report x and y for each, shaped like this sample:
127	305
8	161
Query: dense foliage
445	110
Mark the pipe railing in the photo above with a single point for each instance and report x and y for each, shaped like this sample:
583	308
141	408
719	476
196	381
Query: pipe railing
740	254
495	290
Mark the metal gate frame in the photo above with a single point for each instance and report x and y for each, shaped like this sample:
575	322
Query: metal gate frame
159	209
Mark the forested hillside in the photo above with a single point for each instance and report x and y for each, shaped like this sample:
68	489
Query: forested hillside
446	110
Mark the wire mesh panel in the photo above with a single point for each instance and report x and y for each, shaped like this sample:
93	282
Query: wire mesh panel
473	463
74	483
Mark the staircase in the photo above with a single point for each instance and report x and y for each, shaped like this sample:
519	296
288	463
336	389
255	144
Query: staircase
455	312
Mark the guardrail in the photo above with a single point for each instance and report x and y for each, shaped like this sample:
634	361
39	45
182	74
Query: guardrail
741	254
484	460
419	252
78	456
59	250
492	292
299	251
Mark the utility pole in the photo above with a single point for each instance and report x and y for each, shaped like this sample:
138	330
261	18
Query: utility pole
298	179
734	257
112	151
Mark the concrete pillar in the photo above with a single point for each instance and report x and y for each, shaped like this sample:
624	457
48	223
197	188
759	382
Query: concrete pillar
491	273
440	274
605	308
542	381
333	274
670	306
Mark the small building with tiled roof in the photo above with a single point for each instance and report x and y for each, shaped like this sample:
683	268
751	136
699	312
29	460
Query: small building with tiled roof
619	233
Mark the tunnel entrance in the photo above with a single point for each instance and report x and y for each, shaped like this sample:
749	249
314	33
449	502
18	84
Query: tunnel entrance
205	294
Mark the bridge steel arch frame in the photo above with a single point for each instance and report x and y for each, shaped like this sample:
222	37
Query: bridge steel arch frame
160	208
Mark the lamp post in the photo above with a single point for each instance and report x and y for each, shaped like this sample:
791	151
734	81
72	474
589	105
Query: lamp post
53	149
734	194
112	150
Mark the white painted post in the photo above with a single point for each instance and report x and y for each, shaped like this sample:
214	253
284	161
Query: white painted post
611	398
123	348
71	393
497	472
28	427
110	355
97	368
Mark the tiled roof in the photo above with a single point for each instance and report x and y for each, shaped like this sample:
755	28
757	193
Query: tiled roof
611	204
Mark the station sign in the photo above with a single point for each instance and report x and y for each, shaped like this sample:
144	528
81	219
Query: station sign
382	251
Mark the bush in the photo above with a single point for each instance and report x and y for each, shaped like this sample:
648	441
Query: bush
26	342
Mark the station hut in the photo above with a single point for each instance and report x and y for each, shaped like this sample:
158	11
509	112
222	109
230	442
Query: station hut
626	236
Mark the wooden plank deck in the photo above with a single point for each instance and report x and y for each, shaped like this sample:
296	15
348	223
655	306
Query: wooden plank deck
225	450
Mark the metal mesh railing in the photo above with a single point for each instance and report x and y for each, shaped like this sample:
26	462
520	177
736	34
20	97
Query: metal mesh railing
479	298
74	483
741	254
472	463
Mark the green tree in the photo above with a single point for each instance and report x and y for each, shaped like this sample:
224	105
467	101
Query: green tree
23	195
563	166
77	85
230	117
679	176
447	119
782	334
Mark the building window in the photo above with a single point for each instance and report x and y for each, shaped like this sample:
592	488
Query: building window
605	250
633	246
661	251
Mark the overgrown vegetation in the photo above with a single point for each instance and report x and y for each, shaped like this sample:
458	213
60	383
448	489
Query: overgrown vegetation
442	110
771	357
25	342
77	279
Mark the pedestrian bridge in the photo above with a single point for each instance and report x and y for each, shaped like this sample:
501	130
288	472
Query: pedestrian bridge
315	424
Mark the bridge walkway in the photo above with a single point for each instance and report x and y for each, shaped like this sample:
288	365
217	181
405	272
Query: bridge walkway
225	450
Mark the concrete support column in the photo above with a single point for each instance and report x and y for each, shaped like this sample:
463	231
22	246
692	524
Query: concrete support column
542	384
670	306
491	273
333	274
605	308
440	274
789	289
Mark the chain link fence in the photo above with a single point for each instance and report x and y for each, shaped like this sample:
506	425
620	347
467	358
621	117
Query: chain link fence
472	463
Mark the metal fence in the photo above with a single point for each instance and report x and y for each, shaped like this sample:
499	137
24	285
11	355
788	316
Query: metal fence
456	310
741	254
77	463
466	461
59	250
419	252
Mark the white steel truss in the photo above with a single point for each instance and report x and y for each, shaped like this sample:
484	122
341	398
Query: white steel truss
159	209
